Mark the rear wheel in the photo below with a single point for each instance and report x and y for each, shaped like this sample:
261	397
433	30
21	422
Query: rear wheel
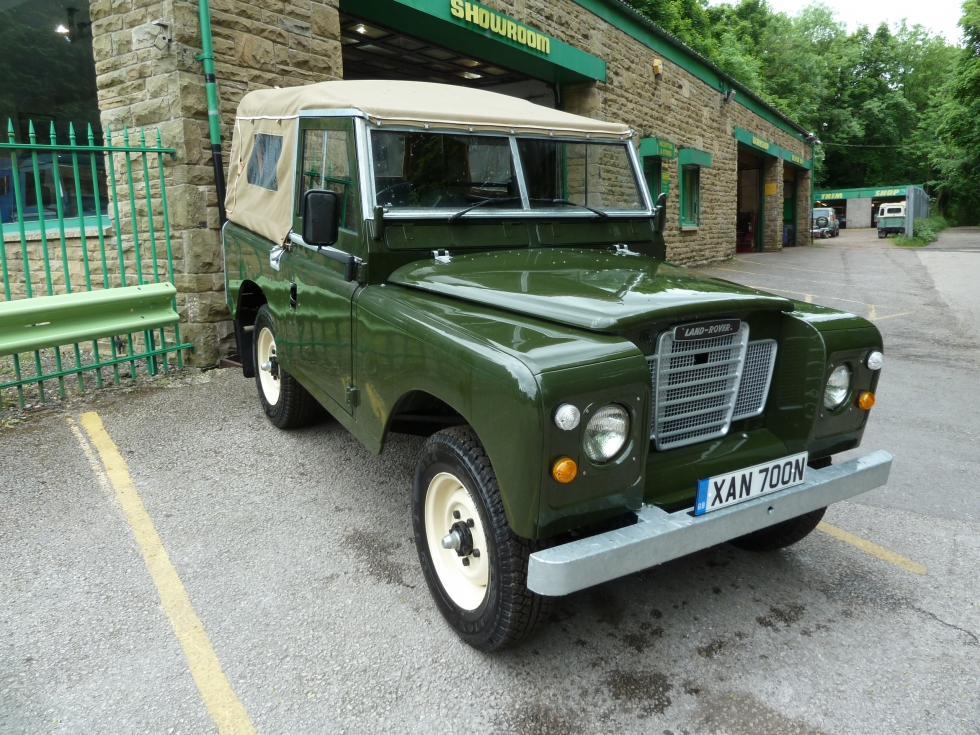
882	235
286	403
474	564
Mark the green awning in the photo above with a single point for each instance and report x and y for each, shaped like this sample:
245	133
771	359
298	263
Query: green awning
657	147
693	157
486	34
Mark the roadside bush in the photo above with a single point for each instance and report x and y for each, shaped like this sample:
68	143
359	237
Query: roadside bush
924	231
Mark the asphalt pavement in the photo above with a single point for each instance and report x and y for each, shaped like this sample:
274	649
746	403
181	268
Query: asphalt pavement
295	551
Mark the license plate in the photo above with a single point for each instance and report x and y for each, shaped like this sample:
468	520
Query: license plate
736	487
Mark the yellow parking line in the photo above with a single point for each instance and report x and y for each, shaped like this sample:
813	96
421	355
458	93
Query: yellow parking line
870	548
219	698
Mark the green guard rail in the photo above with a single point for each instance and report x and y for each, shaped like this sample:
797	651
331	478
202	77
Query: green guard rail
48	321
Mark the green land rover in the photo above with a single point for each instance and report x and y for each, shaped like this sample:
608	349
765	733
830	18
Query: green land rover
490	274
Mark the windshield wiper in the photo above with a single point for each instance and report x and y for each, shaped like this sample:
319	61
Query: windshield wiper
597	212
456	215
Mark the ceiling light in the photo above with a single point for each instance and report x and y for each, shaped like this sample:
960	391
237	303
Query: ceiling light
361	28
62	30
468	75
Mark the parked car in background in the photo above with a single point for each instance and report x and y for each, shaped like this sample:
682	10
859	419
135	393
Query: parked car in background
891	219
826	217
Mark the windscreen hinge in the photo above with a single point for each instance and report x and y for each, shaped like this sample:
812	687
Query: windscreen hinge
620	248
442	256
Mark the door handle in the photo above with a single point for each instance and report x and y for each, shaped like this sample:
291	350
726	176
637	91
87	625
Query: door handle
292	295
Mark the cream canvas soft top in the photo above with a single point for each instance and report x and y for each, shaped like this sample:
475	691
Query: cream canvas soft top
269	118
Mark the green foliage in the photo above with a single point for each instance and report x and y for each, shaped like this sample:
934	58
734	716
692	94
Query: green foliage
889	105
924	231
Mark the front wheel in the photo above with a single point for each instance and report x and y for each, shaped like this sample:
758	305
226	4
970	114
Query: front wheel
474	564
286	403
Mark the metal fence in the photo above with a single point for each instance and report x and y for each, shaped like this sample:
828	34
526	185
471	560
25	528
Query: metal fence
77	217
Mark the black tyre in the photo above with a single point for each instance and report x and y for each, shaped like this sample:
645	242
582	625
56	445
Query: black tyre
479	583
788	532
781	535
882	235
286	403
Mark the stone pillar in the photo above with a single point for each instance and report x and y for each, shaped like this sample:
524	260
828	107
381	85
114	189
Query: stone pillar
804	205
772	237
147	76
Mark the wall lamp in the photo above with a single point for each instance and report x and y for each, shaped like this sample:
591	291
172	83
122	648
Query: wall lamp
730	95
658	69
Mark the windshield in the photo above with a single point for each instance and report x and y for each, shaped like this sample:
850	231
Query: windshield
451	172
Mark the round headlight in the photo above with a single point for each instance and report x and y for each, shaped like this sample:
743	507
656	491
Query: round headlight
606	433
838	386
875	360
567	417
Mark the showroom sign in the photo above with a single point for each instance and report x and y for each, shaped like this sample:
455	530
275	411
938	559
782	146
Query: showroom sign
476	14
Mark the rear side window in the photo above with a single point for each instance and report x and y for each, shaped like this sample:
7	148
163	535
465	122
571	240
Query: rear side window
263	161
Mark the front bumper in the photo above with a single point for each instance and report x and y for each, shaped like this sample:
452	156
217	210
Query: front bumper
658	536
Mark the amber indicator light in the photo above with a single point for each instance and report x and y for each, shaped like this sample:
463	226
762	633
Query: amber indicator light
564	470
866	400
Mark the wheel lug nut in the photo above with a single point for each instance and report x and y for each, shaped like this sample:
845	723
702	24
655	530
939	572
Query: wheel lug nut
469	522
456	514
476	553
466	561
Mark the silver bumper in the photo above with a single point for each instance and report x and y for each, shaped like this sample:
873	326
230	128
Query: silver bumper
658	536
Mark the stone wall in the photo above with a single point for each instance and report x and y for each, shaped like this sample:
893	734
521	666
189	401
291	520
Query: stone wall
147	76
680	108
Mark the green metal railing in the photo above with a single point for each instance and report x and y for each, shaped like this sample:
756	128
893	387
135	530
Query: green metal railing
62	203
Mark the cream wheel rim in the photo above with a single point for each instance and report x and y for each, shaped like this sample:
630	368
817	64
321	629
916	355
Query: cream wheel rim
266	353
464	578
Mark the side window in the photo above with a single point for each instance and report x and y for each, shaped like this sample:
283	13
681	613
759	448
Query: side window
690	196
263	161
327	165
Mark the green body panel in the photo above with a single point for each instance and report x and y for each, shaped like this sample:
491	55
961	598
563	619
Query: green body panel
49	321
891	223
523	315
588	288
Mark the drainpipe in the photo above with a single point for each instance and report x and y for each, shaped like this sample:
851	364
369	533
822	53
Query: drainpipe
214	121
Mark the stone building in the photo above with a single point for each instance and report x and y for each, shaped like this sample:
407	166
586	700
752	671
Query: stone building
736	171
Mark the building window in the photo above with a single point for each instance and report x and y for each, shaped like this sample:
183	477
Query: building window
690	161
690	196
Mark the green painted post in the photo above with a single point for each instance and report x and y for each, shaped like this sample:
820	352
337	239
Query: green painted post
206	57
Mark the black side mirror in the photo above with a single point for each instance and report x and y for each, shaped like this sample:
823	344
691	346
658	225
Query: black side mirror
661	209
321	217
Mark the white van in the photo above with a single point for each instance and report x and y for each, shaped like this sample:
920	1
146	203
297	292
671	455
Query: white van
891	218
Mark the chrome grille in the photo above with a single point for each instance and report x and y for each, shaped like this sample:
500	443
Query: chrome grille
695	384
759	360
701	386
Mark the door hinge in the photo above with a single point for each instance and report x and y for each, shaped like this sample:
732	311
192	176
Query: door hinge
292	296
352	395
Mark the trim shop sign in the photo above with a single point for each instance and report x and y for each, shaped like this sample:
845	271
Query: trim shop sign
476	14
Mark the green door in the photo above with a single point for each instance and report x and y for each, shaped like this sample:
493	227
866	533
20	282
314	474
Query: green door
320	332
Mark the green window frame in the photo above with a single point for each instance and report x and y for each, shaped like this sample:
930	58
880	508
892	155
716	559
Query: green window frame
690	193
690	161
